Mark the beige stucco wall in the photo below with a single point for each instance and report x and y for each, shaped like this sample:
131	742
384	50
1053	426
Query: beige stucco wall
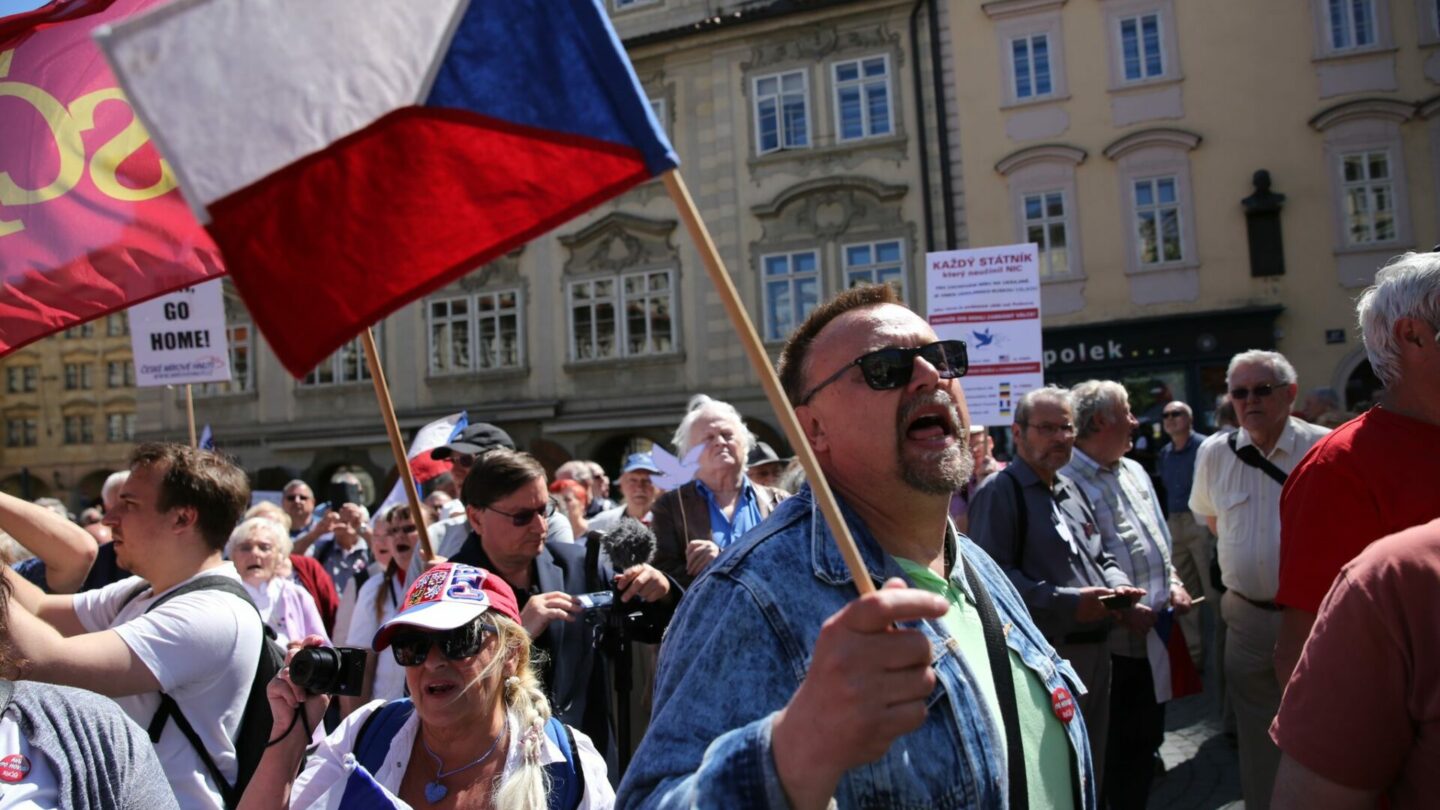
1248	85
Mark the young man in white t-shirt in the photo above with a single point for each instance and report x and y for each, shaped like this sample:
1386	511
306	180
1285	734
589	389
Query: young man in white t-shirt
201	648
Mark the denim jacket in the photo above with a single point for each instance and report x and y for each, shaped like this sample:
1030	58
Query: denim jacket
740	645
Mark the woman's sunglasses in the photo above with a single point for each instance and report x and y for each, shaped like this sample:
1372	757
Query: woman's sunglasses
412	648
891	368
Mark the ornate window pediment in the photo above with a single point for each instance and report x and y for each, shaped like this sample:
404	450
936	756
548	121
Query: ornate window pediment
828	207
620	242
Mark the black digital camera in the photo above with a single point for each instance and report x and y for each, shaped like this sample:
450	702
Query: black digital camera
329	670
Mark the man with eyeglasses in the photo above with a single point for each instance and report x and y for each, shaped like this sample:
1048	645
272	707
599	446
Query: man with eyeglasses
508	506
1192	544
1040	528
779	687
1238	480
1134	531
448	535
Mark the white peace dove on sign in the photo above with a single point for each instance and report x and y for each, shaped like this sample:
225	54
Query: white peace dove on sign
674	472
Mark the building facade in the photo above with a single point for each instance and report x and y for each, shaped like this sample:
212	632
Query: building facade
69	412
810	136
1127	139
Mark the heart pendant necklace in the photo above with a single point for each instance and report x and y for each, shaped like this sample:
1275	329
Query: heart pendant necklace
435	791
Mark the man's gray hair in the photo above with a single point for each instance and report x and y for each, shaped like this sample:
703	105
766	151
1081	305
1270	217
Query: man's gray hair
1275	362
294	483
702	405
110	490
1408	287
1094	399
574	470
1049	393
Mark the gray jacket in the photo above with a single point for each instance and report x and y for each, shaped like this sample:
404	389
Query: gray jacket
100	757
1047	569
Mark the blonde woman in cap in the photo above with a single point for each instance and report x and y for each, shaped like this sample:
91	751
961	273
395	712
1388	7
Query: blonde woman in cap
475	733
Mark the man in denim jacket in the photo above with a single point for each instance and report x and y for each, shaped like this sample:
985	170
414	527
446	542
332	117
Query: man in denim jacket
779	688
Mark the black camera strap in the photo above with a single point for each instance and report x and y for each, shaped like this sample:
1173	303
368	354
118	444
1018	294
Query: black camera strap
999	654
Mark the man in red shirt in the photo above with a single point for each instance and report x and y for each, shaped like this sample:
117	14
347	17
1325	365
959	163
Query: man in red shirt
1376	474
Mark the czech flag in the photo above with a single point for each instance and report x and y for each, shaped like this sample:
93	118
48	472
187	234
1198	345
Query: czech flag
90	221
1170	665
350	156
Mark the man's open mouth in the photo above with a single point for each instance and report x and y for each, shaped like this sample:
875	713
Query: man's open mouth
931	422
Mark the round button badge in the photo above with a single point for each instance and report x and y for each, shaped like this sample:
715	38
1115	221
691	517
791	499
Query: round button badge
14	767
1063	703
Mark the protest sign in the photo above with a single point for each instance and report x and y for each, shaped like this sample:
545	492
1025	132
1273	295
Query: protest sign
990	298
180	338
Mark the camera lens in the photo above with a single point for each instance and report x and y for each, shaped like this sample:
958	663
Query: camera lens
315	669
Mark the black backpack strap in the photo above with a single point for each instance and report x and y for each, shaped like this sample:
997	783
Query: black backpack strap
1250	455
169	708
134	594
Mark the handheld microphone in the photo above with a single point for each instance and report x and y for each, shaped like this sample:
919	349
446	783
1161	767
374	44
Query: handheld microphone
629	544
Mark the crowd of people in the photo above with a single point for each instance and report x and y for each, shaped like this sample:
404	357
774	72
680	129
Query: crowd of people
704	645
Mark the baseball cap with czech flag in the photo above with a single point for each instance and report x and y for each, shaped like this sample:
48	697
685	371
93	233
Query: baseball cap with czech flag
448	596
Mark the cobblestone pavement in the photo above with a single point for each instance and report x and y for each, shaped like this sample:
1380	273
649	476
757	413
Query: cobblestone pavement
1202	768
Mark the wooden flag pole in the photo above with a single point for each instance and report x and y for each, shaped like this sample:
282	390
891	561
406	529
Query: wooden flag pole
750	340
392	427
190	413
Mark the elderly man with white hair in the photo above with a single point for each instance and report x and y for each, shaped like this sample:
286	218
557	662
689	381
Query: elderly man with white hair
695	522
1373	476
1133	530
1238	479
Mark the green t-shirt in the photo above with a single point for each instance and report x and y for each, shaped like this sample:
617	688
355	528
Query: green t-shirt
1047	748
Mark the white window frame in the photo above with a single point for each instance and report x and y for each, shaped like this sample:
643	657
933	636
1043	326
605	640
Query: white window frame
771	335
627	5
863	83
127	373
851	274
22	431
1383	37
1029	40
82	378
1046	223
1369	186
84	429
126	431
22	379
1168	42
117	324
1138	19
1349	32
1157	209
348	357
778	100
619	301
240	345
470	322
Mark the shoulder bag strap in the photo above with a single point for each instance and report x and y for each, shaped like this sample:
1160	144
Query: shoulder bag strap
1250	455
999	655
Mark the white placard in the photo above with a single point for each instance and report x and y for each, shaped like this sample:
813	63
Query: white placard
990	298
180	338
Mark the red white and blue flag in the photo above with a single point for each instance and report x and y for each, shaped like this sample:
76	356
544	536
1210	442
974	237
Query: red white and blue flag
90	221
350	156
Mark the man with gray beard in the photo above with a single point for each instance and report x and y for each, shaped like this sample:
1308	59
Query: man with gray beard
779	687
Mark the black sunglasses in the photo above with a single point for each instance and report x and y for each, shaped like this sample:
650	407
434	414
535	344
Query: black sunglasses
411	649
1259	392
891	368
1174	414
524	516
